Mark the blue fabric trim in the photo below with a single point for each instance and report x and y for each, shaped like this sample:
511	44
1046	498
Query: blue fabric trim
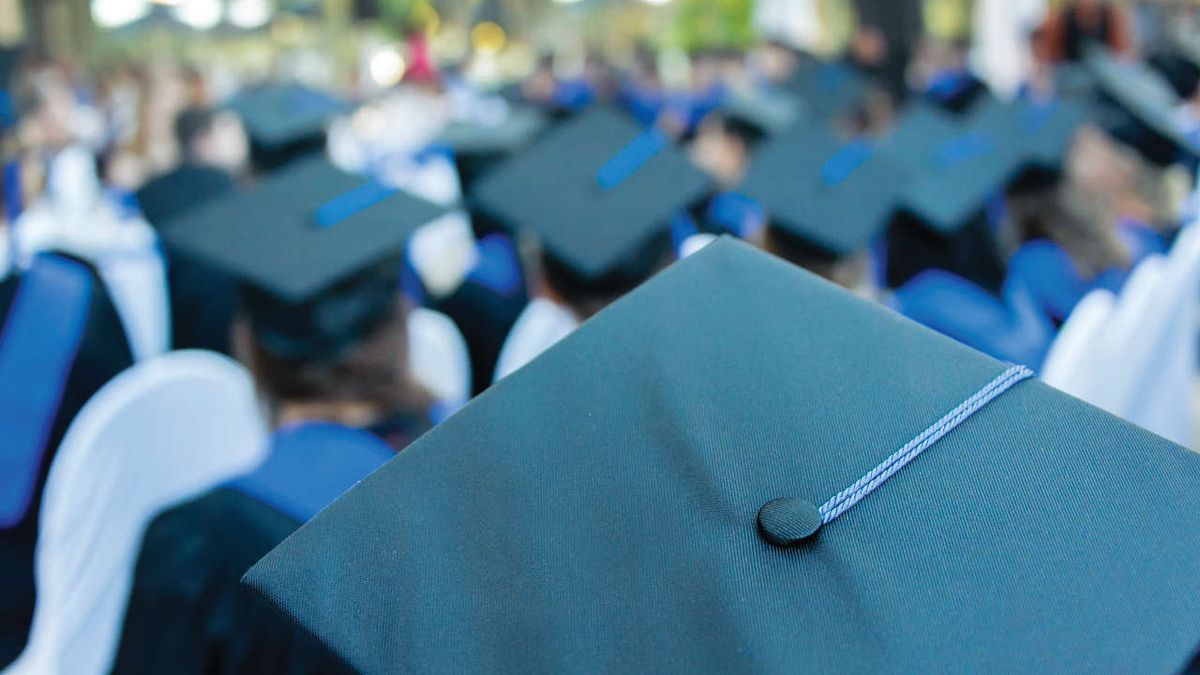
499	267
962	149
310	466
839	168
41	338
351	203
842	501
737	213
631	158
947	84
683	226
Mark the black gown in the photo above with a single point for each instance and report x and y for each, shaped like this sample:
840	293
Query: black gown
103	353
188	612
203	300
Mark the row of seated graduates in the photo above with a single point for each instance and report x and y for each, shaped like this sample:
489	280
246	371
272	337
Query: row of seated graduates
589	284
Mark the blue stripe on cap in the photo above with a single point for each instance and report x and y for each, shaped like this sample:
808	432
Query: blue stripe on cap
352	203
845	162
842	501
631	158
37	349
962	149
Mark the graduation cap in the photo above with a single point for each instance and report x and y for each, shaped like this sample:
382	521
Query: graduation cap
479	146
1042	132
831	195
764	113
664	516
829	88
952	168
285	121
317	252
597	190
1148	99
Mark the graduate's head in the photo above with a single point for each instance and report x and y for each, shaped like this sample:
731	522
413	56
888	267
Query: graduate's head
1045	204
586	294
368	374
847	271
317	256
211	137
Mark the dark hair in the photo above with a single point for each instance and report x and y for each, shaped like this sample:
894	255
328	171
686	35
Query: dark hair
1044	204
373	370
844	271
192	123
587	296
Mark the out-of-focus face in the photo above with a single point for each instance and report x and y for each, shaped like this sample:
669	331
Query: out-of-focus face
721	154
225	145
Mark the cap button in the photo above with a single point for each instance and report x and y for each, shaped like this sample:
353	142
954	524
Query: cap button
787	521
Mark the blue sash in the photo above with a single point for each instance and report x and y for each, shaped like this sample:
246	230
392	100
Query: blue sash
37	349
499	266
310	466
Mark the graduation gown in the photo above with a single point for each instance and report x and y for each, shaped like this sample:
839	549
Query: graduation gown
187	611
103	353
203	300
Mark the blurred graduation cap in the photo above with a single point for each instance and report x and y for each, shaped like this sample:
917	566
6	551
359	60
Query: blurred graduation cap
1042	132
598	190
832	196
663	516
764	113
479	146
952	168
1149	102
285	121
829	88
952	171
317	252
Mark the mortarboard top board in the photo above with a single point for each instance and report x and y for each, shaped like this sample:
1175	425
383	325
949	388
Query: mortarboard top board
951	168
595	189
1042	132
315	249
279	115
632	525
1141	92
766	112
833	195
829	88
519	128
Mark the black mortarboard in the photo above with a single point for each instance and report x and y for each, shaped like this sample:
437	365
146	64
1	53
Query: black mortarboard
1148	99
1041	132
316	250
952	168
764	113
478	146
831	195
596	189
662	516
829	88
285	121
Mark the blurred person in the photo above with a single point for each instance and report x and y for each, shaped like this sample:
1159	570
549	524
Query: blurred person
721	148
1068	31
328	344
886	39
214	151
941	73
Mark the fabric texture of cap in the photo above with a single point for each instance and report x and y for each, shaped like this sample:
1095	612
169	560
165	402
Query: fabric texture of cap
602	508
